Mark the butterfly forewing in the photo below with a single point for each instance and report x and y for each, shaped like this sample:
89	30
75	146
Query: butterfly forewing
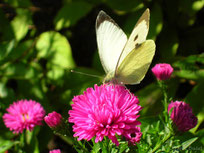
137	36
135	65
111	41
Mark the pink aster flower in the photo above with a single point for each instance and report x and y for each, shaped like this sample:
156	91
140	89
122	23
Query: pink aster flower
55	151
182	116
53	119
162	71
23	114
106	110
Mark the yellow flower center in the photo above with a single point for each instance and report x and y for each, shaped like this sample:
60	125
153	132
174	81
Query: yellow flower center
25	117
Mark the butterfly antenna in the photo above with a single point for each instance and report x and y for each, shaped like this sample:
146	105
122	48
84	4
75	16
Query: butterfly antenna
92	75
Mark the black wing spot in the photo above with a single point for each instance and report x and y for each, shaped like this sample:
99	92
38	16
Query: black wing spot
137	45
136	37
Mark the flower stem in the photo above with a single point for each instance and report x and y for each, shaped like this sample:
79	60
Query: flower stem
162	142
165	100
22	139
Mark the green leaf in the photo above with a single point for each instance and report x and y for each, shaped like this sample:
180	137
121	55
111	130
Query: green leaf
188	74
15	53
20	23
70	13
32	141
187	143
96	148
22	50
156	21
123	147
19	70
6	48
5	145
56	49
191	62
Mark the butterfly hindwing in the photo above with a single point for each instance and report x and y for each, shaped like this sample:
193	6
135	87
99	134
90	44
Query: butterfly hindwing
135	65
111	41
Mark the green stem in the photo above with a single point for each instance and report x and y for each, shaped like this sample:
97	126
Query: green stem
106	147
22	139
162	142
165	100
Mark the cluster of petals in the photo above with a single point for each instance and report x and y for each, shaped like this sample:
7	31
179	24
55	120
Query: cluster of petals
182	116
23	114
162	71
106	110
53	119
55	151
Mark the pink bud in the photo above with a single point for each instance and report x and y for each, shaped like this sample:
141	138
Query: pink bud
55	151
182	116
53	119
162	71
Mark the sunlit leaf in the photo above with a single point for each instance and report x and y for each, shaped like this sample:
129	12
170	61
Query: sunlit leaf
56	49
188	74
187	143
6	144
20	23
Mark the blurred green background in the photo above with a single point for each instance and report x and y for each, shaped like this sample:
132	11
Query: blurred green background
42	40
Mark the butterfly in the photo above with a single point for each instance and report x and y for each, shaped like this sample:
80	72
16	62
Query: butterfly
125	60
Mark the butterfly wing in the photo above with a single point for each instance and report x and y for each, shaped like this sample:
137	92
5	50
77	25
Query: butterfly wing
135	65
137	36
111	41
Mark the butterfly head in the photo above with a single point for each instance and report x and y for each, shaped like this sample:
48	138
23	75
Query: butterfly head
112	79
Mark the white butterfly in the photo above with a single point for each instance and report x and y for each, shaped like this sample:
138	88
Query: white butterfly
125	61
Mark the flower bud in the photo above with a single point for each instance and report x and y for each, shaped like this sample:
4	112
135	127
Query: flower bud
162	71
53	119
55	151
182	116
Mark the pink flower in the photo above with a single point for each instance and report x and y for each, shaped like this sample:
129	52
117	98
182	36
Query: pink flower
24	114
53	119
182	116
162	71
55	151
133	136
106	110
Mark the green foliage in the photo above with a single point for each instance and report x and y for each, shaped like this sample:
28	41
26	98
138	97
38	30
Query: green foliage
65	17
40	42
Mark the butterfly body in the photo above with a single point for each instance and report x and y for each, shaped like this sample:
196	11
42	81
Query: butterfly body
125	60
